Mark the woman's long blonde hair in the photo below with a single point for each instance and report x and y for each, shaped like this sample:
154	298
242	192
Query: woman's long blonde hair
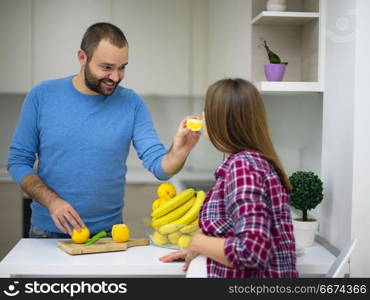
236	121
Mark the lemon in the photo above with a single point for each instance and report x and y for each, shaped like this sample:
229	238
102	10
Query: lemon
80	237
120	233
166	191
194	124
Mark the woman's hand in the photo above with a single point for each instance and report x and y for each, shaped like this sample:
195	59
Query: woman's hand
185	254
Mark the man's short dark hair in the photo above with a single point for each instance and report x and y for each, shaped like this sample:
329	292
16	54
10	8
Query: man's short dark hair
102	31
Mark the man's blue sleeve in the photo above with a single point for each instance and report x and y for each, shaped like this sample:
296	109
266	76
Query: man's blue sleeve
147	144
25	141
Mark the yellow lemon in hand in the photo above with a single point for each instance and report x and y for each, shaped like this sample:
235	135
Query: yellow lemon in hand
120	233
166	191
194	124
80	237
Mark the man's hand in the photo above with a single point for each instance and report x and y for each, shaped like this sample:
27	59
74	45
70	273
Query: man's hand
63	215
60	210
185	139
183	142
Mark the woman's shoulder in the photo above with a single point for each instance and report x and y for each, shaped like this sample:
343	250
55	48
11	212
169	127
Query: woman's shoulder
248	159
250	163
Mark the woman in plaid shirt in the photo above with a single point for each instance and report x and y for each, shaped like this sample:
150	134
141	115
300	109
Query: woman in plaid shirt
245	219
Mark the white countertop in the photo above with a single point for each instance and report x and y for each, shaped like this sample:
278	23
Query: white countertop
42	257
34	257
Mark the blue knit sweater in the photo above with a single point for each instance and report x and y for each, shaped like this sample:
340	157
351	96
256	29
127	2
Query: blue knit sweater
82	143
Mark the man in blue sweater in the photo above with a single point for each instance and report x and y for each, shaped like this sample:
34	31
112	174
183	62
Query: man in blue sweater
80	128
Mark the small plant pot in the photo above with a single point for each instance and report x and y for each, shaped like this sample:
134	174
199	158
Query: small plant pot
304	232
274	72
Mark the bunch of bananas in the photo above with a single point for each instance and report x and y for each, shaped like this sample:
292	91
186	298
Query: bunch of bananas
176	220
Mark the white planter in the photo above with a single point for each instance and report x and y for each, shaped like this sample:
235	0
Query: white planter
276	5
304	232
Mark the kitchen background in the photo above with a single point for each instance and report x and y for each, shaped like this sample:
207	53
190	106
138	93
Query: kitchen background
178	48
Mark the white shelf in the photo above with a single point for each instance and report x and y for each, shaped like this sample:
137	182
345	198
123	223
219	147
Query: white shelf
288	86
284	18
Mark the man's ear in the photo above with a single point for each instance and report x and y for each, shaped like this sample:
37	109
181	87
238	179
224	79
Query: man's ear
82	57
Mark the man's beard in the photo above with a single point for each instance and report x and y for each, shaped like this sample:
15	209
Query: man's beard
95	84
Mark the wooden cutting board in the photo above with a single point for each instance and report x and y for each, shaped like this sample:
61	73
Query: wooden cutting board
101	245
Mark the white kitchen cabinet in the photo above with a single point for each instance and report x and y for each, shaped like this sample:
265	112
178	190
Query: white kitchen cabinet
159	36
57	33
15	46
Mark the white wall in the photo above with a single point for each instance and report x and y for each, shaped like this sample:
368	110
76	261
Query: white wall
229	39
360	262
346	146
158	33
15	45
57	30
337	149
10	106
295	123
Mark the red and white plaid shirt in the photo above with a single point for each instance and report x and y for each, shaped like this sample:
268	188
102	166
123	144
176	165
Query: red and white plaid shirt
248	205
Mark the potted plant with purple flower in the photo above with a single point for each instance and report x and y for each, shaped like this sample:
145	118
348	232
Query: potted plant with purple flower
275	70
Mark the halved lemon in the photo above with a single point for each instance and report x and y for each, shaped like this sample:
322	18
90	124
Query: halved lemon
194	124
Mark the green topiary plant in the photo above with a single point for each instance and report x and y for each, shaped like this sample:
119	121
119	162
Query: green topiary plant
307	191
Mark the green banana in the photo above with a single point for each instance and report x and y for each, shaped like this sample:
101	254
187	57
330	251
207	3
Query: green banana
159	239
173	203
184	241
193	226
174	237
174	214
169	228
193	212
